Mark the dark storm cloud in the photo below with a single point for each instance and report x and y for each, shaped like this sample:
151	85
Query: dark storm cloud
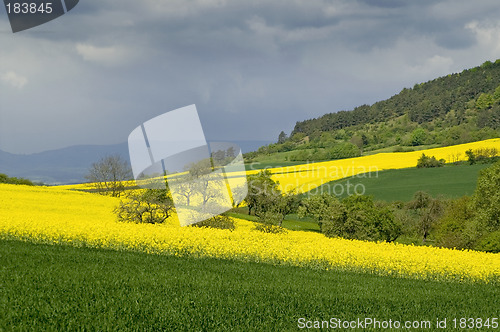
387	3
253	68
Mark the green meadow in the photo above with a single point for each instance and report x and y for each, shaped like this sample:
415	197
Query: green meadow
401	184
63	288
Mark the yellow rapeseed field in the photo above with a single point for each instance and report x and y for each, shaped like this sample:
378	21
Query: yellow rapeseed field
55	215
303	178
306	177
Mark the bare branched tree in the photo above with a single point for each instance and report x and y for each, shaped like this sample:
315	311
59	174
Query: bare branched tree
108	174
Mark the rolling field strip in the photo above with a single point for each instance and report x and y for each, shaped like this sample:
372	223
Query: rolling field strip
57	216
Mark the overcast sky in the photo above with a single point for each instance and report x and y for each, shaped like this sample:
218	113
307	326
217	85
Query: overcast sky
253	68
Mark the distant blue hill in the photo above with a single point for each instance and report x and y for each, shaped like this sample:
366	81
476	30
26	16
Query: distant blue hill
61	166
69	165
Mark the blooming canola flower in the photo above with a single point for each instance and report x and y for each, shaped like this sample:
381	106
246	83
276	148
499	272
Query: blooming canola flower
62	216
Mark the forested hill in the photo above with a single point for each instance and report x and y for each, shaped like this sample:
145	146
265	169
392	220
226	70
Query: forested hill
425	102
458	108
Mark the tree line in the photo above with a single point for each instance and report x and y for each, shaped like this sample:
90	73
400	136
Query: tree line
458	108
14	180
422	103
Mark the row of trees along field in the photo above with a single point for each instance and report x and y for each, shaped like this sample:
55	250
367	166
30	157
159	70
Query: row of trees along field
13	180
464	223
458	108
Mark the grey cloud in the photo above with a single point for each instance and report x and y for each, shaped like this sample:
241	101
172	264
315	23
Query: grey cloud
253	68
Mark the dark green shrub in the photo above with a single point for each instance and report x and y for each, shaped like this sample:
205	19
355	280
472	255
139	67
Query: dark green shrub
269	222
418	136
342	151
486	199
427	210
358	217
319	207
456	228
427	162
13	180
490	243
220	222
264	196
483	155
471	156
301	155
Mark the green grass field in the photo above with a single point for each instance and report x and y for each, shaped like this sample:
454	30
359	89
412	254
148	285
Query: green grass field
281	159
291	222
257	165
393	148
64	288
401	184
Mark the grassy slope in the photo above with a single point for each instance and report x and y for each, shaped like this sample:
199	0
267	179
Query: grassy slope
291	222
401	184
409	148
271	163
280	159
65	288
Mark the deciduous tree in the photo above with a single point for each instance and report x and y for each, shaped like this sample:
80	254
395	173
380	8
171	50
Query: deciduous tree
108	174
